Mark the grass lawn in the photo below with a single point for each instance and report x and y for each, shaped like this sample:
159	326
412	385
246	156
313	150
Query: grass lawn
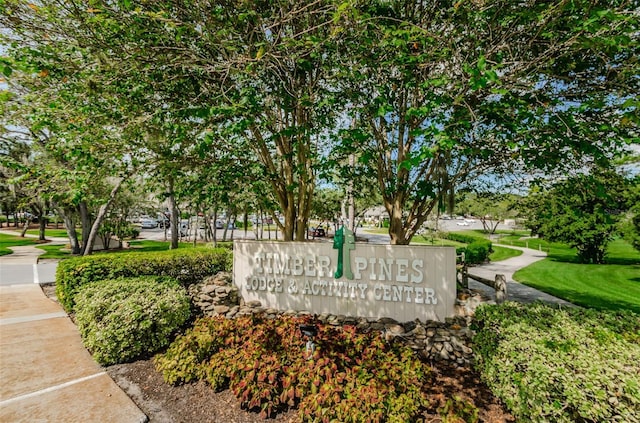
61	251
55	251
13	241
503	253
378	231
52	233
612	286
422	240
48	233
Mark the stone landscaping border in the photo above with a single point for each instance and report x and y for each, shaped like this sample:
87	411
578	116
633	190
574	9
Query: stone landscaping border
433	341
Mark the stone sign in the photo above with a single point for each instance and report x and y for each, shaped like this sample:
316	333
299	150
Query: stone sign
360	280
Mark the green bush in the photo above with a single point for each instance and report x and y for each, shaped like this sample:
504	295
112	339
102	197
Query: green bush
188	266
564	365
265	364
124	319
463	237
477	252
477	249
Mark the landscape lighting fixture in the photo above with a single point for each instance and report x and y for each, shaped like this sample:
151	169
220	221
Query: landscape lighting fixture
310	331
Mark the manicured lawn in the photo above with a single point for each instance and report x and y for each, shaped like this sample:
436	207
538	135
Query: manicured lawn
52	233
48	233
503	253
13	241
422	240
378	231
55	251
611	286
61	251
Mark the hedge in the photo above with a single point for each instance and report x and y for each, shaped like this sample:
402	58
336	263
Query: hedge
128	318
477	249
188	266
565	365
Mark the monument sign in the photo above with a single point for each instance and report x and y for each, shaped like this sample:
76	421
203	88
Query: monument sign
360	280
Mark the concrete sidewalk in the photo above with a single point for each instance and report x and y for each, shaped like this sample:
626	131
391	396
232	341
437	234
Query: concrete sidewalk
515	290
47	374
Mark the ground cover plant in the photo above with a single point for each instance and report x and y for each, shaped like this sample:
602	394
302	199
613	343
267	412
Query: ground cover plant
13	241
124	319
561	365
188	266
349	377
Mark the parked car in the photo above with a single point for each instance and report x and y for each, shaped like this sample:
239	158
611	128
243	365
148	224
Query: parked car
148	223
463	223
318	232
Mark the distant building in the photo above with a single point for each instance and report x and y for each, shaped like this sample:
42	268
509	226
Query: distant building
375	215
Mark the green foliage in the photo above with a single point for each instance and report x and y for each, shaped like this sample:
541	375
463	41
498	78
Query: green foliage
477	249
458	410
581	211
124	319
351	377
630	224
186	266
563	365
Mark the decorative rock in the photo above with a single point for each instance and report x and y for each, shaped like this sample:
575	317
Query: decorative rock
431	340
207	289
221	309
395	329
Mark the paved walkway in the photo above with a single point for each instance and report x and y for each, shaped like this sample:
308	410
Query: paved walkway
515	290
46	372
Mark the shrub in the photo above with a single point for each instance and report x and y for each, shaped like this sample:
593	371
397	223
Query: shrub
264	363
477	249
477	252
561	365
123	319
188	266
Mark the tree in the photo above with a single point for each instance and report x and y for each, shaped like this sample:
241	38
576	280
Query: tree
445	91
630	223
581	211
255	70
439	92
491	208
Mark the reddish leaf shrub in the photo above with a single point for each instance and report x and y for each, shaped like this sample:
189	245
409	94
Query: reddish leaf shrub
352	377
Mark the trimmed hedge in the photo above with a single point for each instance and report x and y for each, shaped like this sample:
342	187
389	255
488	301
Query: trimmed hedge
124	319
188	266
477	249
563	365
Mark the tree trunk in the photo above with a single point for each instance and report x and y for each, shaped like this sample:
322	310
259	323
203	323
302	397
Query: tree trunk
214	231
85	225
102	212
246	221
41	228
70	226
27	222
174	218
